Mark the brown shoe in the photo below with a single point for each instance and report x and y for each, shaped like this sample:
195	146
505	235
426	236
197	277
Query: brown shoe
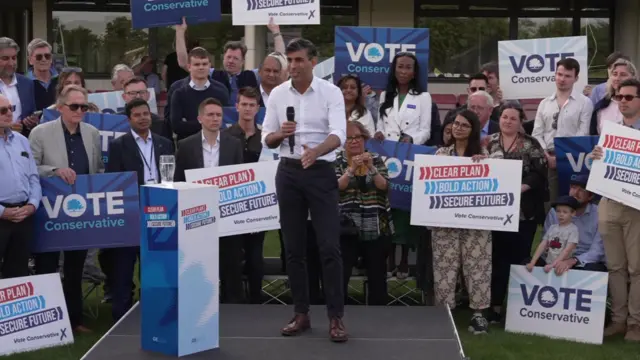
299	324
633	333
337	331
615	329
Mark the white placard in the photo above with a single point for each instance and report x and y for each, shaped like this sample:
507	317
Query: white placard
33	314
617	175
248	201
455	192
112	102
284	12
528	67
571	306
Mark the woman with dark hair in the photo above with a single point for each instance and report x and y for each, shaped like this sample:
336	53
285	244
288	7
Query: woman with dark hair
447	126
405	116
69	76
471	247
513	248
354	101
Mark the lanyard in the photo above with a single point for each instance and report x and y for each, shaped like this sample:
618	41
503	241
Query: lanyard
144	159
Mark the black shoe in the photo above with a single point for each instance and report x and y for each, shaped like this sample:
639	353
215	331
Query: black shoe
478	325
494	317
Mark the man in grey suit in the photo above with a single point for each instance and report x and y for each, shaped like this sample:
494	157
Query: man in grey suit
209	148
67	147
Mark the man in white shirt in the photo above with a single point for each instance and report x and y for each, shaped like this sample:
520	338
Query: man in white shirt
565	113
306	180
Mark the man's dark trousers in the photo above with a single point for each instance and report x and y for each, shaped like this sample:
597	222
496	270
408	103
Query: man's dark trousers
315	189
122	280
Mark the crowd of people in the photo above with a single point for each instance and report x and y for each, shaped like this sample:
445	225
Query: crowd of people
333	194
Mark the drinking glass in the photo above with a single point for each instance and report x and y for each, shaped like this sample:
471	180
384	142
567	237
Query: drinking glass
167	167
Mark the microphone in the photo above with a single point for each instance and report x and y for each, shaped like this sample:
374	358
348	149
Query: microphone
291	114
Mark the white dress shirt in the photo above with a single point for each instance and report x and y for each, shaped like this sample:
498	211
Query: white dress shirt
210	154
11	92
320	112
264	95
574	119
196	87
148	159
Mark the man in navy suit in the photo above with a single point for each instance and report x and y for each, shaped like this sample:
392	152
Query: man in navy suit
138	150
17	88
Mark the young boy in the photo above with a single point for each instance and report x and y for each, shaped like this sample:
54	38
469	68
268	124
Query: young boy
561	239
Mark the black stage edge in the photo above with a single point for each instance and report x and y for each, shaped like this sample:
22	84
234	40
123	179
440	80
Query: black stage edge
252	332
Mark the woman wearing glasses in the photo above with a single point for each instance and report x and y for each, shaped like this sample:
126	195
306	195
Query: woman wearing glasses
354	101
67	147
513	248
365	211
607	108
472	248
405	116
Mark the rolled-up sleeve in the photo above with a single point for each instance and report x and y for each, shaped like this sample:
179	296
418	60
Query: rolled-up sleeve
337	115
35	190
271	123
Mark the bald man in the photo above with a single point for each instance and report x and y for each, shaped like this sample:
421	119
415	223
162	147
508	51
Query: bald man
20	195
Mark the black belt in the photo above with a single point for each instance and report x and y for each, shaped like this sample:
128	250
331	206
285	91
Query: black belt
297	163
15	205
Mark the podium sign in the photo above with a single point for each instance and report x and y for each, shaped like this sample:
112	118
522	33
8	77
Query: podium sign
179	257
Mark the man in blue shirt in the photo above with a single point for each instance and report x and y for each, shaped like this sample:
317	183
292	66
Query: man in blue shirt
589	254
20	195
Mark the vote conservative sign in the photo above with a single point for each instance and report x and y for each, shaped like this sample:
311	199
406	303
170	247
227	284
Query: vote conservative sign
571	306
248	201
571	159
110	127
455	192
284	12
399	158
617	175
33	314
160	13
369	51
528	67
97	211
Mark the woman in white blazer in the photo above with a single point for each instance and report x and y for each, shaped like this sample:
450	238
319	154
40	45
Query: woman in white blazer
405	115
354	101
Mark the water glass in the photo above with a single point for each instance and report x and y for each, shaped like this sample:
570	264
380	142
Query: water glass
167	168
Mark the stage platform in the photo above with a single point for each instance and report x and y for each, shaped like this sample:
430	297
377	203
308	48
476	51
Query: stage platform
251	332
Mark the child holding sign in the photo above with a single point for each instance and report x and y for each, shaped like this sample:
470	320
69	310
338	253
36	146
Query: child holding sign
561	239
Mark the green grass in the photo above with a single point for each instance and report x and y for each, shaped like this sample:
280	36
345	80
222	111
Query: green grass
497	345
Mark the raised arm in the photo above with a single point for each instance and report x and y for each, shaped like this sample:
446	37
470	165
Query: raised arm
181	45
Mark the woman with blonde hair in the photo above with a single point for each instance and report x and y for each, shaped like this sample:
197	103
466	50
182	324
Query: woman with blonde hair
607	108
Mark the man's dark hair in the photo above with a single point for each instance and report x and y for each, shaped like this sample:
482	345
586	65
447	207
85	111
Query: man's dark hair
631	82
491	68
198	53
137	102
569	64
615	56
302	44
250	93
135	80
235	45
479	76
208	101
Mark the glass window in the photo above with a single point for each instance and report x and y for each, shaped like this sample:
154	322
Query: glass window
462	45
96	41
534	28
598	35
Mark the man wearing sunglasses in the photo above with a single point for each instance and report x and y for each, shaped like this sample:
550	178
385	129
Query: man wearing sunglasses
477	82
20	195
68	147
45	77
17	88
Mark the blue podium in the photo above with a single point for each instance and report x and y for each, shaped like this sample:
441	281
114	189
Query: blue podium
179	268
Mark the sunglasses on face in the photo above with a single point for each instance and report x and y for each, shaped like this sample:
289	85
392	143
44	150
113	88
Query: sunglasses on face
75	107
5	109
474	89
39	57
619	97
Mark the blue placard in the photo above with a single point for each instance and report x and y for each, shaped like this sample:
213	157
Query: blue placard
98	211
399	160
161	13
230	116
368	52
571	159
110	127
